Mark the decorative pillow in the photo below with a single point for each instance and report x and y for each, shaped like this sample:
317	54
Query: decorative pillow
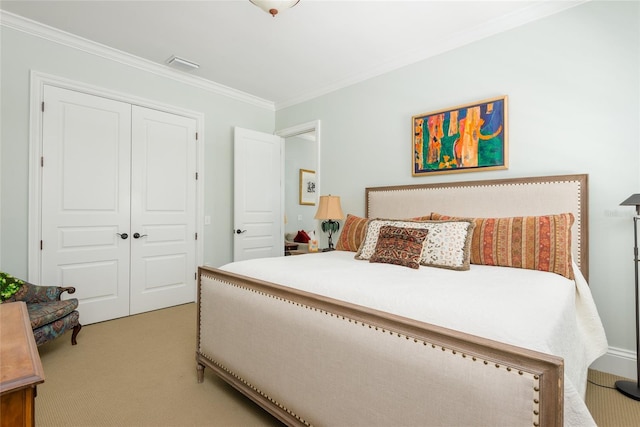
400	246
532	242
352	233
302	237
447	243
354	230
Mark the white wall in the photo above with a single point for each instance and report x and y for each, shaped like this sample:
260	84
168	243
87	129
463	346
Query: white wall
21	52
573	86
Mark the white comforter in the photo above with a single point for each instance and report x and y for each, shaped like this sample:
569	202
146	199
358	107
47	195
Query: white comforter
531	309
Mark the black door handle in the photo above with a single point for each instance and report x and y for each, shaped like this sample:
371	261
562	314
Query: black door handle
138	235
123	236
238	231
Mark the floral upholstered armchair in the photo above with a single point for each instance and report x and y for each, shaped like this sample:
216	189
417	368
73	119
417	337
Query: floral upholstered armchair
50	316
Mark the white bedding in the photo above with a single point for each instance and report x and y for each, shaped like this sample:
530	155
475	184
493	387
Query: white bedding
531	309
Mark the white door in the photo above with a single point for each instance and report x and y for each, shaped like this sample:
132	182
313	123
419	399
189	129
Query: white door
86	149
118	204
258	204
163	206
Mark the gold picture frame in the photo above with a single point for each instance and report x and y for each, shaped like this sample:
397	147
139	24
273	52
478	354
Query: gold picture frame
308	187
467	138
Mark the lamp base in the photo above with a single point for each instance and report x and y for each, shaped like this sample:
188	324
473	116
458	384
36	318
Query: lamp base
629	389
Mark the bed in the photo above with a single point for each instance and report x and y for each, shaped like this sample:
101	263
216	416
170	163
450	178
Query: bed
328	339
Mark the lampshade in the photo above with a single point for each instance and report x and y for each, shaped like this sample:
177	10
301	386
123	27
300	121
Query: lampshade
329	208
633	200
274	6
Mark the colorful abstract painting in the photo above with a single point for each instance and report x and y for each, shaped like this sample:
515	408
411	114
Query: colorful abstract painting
467	138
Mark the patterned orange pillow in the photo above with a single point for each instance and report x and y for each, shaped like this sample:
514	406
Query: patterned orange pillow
354	231
532	242
352	234
400	246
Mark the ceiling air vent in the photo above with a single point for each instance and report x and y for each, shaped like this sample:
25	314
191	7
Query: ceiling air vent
182	64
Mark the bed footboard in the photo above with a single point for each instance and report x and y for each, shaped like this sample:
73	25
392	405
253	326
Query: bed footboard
311	360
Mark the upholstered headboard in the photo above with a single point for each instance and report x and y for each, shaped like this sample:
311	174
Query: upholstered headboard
492	198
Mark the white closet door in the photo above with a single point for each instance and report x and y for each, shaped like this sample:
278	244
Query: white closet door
163	206
86	201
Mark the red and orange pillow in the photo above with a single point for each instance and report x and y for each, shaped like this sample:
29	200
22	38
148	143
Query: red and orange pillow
531	242
352	234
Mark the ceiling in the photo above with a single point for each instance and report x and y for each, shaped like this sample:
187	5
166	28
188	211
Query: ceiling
313	48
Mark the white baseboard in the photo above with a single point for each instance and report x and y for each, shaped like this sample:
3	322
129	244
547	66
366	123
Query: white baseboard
617	361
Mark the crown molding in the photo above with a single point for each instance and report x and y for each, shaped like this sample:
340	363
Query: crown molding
507	22
37	29
536	11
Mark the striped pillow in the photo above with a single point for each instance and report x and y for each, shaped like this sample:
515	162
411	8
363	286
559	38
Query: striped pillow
352	233
532	242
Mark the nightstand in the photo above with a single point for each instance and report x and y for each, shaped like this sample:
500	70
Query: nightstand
290	247
302	252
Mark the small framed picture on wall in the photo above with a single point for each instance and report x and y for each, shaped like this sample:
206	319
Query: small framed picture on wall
307	187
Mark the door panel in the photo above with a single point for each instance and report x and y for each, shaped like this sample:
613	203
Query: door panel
258	204
163	206
103	277
86	146
165	271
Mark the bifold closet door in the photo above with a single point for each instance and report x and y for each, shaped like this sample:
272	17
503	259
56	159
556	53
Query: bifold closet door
86	166
118	201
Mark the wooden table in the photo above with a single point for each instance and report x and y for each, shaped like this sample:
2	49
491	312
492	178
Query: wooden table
20	367
289	247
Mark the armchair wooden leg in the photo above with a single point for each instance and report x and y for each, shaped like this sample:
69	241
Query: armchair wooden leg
76	330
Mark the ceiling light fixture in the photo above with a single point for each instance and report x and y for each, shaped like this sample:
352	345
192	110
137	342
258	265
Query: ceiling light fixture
182	64
273	6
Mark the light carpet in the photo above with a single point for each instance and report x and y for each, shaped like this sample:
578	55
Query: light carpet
140	371
137	371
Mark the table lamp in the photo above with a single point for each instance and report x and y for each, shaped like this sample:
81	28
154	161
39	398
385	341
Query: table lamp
329	210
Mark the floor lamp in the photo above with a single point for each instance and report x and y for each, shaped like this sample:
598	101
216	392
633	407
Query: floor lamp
632	388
